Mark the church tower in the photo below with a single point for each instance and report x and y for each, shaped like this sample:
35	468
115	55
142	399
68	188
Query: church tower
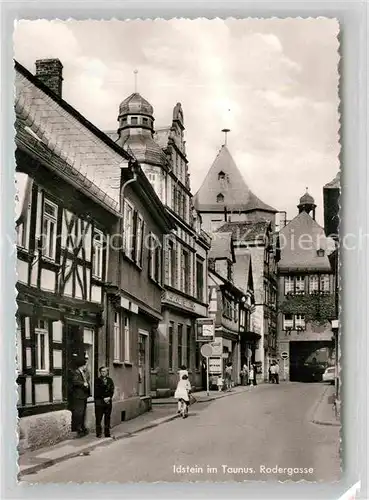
224	196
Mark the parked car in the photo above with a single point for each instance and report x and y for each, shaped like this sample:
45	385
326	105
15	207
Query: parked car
329	375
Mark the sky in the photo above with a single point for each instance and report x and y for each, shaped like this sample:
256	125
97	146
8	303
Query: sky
273	82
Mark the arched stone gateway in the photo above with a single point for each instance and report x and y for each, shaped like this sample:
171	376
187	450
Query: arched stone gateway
309	359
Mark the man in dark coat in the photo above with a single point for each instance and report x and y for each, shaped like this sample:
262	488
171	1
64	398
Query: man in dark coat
79	391
104	392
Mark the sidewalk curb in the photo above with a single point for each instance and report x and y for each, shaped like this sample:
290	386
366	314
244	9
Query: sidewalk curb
315	411
210	398
53	461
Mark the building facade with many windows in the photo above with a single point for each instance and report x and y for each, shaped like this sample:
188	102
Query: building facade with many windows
306	285
254	240
162	155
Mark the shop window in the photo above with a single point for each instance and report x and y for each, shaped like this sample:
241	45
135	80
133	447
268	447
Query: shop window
153	349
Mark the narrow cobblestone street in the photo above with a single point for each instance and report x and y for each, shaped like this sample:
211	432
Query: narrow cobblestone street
240	438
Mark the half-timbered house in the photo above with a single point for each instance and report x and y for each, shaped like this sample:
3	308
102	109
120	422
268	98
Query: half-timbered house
74	234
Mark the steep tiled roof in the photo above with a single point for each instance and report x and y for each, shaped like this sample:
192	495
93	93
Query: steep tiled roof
249	232
237	195
335	183
221	246
299	241
93	157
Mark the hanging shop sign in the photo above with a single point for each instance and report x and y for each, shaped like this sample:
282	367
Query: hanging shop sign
205	329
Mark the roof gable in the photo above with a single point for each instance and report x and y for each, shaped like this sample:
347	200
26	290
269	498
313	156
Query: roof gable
231	184
299	241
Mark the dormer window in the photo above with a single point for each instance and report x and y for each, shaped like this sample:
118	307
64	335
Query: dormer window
221	176
320	252
134	120
220	198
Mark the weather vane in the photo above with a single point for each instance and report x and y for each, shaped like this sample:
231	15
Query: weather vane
225	130
135	73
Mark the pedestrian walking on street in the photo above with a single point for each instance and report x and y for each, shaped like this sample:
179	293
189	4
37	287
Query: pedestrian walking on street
276	372
228	376
183	371
104	392
270	375
79	393
252	375
182	392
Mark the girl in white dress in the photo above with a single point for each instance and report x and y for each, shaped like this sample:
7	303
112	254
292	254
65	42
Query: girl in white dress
182	392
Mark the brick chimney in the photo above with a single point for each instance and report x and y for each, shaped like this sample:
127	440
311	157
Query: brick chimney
50	72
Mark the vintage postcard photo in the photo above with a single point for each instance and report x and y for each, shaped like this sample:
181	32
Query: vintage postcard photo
177	225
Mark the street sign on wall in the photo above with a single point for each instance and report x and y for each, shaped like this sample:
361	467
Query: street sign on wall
284	355
205	329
